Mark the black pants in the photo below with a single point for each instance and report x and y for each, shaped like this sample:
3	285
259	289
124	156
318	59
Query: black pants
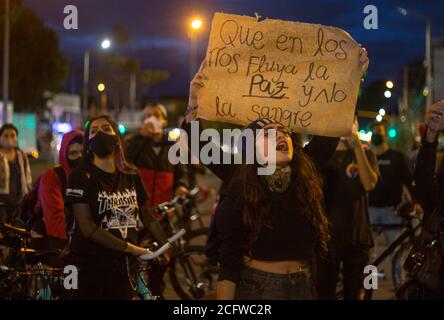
156	273
353	258
101	278
260	285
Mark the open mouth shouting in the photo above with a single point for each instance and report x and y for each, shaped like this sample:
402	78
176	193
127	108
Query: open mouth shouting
282	146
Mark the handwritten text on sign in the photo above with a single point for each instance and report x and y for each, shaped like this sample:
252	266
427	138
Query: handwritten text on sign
305	76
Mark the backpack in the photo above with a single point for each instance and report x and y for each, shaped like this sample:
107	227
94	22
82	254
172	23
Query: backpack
30	214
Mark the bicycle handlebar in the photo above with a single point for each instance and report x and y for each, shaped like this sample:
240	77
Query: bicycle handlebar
165	247
178	199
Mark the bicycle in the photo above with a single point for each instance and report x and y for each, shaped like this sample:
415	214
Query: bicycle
189	272
402	245
138	282
23	275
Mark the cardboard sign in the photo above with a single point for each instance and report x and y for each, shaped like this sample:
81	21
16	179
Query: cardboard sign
306	76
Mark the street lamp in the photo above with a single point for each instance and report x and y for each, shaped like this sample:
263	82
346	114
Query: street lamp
195	26
428	51
103	98
382	112
387	94
105	44
101	87
389	84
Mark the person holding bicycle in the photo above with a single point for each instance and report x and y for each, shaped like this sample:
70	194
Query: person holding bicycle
15	174
107	198
270	228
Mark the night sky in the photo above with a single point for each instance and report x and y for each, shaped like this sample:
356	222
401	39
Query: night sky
159	29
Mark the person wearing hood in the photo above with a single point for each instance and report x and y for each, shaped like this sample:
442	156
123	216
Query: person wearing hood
15	174
53	183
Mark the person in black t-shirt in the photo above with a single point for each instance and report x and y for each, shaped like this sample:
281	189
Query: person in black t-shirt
107	198
388	193
349	175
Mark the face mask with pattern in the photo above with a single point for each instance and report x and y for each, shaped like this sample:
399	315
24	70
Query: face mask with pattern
280	180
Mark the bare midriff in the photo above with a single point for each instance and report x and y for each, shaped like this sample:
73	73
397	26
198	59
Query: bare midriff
281	267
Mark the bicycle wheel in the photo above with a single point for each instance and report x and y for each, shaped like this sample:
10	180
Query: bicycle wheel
399	275
191	276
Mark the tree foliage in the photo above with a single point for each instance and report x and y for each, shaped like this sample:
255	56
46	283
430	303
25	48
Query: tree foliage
36	62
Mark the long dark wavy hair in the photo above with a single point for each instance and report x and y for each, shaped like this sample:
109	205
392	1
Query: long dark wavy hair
121	163
306	187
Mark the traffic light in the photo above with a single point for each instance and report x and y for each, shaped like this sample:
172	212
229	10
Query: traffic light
392	133
122	129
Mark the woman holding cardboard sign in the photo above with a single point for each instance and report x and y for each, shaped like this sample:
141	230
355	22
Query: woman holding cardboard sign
270	228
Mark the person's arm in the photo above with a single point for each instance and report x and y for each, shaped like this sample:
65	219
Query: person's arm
425	188
232	237
53	207
223	172
90	230
368	173
152	225
321	149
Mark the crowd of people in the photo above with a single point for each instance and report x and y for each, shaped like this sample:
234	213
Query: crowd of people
283	236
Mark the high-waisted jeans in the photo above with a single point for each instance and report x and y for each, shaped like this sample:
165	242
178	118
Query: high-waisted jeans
260	285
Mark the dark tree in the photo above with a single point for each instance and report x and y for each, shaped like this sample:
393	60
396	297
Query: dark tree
36	63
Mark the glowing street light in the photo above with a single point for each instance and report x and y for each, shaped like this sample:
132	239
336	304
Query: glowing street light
389	84
387	94
382	112
196	24
379	118
101	87
106	43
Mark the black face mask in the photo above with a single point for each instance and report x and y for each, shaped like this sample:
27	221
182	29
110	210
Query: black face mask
74	163
103	144
377	139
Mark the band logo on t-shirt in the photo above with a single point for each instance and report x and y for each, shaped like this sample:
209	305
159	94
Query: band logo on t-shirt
119	210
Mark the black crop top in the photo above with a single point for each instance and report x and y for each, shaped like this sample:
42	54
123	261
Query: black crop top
291	236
